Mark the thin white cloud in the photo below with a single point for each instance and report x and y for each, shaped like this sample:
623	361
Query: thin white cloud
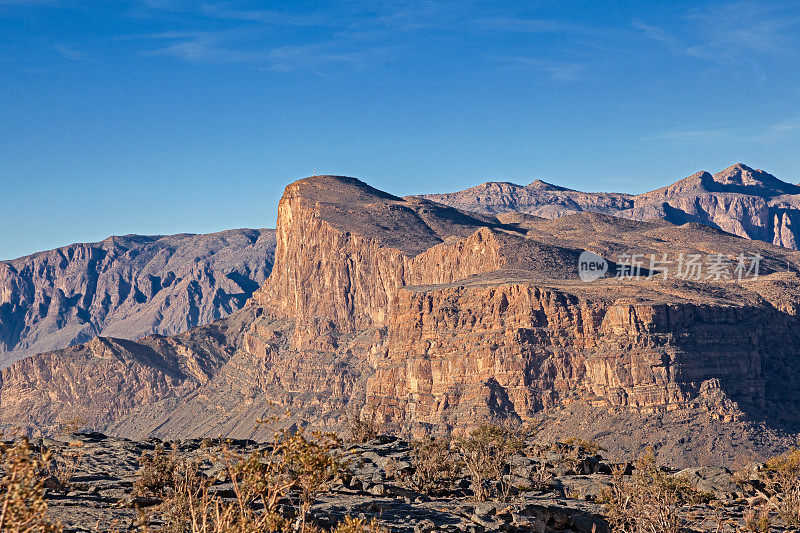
316	56
211	47
779	131
693	135
531	25
555	70
70	53
734	34
657	34
754	132
264	16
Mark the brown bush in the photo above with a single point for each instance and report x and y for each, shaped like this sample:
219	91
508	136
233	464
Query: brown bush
588	446
156	473
434	463
359	525
293	464
648	500
63	465
361	428
757	521
783	481
486	453
23	508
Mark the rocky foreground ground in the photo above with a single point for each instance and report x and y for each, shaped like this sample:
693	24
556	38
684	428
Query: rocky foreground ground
98	485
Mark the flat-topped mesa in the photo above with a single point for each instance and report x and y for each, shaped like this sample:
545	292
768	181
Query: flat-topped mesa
344	249
484	316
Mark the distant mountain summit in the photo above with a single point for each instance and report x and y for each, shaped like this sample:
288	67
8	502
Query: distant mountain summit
540	198
740	200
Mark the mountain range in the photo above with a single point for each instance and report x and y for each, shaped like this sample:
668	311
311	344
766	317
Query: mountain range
740	200
432	318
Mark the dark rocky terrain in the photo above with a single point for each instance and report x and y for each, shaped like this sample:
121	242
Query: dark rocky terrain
552	487
127	287
740	200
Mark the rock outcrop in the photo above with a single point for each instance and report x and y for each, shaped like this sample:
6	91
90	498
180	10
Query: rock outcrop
127	287
740	200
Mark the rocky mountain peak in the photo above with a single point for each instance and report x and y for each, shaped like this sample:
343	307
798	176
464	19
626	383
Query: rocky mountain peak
742	179
538	184
127	286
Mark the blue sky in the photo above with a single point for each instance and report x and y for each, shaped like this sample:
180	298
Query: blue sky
164	116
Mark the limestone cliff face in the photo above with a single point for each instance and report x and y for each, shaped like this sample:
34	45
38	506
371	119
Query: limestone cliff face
458	355
322	270
463	344
127	287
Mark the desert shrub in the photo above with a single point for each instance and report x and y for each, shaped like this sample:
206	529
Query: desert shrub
156	473
294	462
648	500
186	487
434	463
541	477
757	521
783	481
361	428
70	424
359	525
23	508
588	446
63	465
486	453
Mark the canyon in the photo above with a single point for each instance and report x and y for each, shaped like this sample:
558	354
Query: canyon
430	319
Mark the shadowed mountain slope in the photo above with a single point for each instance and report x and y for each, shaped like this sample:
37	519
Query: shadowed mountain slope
127	287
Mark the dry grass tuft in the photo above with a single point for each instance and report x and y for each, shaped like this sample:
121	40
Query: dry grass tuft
757	521
359	525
